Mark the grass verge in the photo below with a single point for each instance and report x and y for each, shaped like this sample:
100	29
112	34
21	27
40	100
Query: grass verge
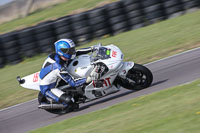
143	45
175	110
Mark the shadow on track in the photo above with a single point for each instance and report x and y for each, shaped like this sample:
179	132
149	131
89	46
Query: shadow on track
118	96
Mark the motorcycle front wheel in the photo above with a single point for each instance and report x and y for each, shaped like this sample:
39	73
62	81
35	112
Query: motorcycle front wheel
137	78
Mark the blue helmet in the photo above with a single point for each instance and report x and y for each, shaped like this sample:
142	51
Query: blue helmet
66	48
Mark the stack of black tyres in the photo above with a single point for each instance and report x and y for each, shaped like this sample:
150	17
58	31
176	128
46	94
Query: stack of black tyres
45	36
190	4
10	47
2	57
80	28
133	13
117	17
173	8
63	28
98	22
153	10
28	45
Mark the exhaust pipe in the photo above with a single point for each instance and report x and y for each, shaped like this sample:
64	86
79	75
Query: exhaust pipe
51	106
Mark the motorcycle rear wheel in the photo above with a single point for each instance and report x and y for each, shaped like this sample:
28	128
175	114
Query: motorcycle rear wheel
137	78
43	99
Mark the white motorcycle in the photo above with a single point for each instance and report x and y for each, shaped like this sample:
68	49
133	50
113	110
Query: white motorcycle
114	74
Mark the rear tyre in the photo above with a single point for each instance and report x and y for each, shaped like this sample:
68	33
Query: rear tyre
43	99
139	77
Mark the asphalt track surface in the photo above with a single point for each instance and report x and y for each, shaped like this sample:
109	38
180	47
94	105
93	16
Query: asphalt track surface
172	71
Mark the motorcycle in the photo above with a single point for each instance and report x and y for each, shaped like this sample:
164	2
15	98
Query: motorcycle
114	75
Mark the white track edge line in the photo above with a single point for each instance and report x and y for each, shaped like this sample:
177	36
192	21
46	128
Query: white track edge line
172	56
144	64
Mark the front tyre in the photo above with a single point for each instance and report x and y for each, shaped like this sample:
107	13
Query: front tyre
138	77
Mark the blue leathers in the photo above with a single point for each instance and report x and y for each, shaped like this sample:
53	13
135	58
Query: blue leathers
53	69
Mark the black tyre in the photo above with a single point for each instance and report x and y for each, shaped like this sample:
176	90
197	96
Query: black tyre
97	20
139	77
2	61
119	26
129	2
101	32
82	39
81	31
134	13
64	35
153	8
99	26
174	9
96	12
190	4
11	51
171	3
25	33
146	3
137	26
136	20
114	13
43	27
114	5
62	22
62	29
43	99
132	7
80	24
8	37
26	40
154	15
78	17
117	19
13	59
9	44
44	35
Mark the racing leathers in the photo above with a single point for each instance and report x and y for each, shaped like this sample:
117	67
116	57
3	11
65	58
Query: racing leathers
54	69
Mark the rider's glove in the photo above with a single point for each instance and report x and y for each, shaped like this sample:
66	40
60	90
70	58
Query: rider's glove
88	80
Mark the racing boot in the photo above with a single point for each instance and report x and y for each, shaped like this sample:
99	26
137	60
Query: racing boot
69	102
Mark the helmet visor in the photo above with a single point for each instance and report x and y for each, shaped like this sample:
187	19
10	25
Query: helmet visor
70	51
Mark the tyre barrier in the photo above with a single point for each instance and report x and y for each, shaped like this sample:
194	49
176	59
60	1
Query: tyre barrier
153	11
45	36
10	47
108	20
98	22
117	17
27	41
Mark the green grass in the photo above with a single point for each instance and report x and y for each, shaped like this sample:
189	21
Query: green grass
59	10
143	45
174	110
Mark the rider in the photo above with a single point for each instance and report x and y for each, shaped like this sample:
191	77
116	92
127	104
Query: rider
54	69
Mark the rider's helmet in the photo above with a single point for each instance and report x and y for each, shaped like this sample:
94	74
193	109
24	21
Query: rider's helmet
66	48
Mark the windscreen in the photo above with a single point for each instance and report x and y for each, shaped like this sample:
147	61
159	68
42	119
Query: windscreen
102	53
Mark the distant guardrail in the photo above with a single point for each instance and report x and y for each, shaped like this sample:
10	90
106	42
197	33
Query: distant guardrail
110	20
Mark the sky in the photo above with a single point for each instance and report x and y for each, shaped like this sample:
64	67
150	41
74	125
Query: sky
2	2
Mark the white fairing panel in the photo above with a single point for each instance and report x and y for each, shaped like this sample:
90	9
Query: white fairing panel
125	68
32	81
80	67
